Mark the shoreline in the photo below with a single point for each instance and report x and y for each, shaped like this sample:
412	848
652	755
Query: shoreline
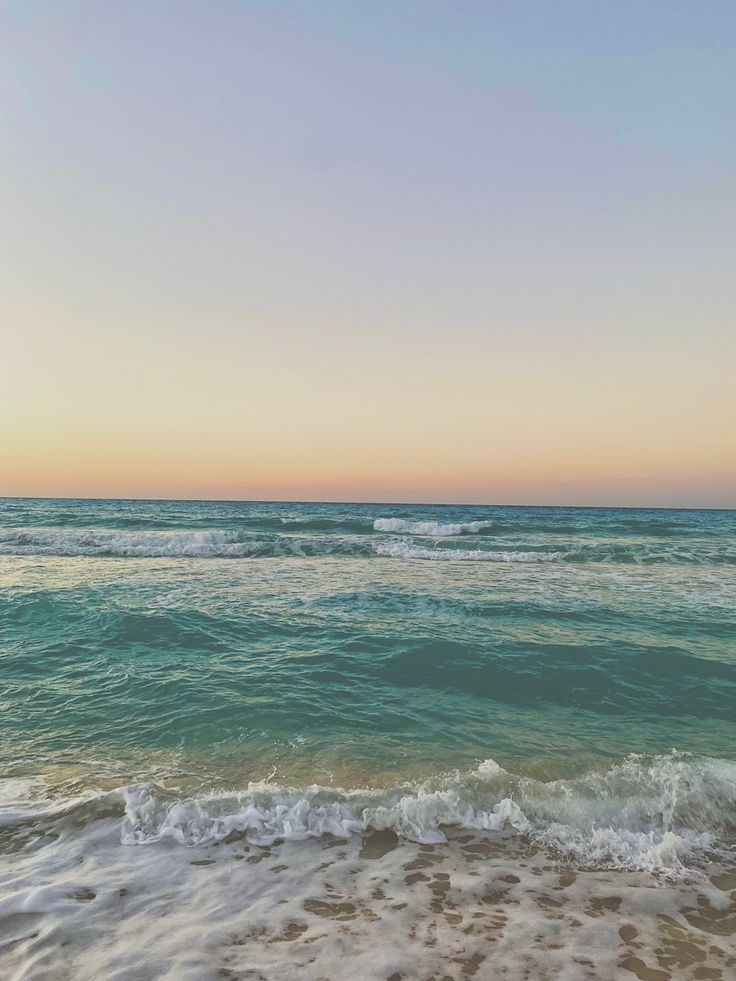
483	904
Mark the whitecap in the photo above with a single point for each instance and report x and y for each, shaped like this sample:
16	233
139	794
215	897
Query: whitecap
430	529
405	550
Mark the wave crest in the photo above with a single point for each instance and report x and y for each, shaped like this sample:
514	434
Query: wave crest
404	550
141	544
211	544
641	814
430	529
297	539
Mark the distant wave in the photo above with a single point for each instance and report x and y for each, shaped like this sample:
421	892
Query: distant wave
212	544
340	525
573	554
430	529
404	550
248	544
142	544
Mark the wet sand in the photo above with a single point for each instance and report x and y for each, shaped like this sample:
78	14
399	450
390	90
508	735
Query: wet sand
482	906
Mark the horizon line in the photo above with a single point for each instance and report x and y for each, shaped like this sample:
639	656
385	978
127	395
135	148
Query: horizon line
445	504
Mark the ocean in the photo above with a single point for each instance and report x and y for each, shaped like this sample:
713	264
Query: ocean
269	740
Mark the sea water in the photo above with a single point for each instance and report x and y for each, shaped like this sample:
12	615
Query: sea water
198	695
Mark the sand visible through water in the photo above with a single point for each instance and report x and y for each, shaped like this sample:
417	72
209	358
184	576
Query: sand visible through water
483	905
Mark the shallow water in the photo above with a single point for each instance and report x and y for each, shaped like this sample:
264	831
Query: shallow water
180	676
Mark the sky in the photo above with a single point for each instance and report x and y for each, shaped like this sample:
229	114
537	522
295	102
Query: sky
376	251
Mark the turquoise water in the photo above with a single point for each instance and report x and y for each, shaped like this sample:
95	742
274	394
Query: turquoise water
361	644
190	671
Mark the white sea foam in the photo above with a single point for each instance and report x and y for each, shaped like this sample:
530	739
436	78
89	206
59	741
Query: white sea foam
21	797
79	901
638	815
93	541
430	529
222	543
211	544
80	904
405	550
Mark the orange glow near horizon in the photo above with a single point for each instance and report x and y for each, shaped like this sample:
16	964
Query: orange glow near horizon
439	432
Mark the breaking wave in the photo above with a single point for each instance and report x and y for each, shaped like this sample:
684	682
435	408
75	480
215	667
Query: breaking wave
573	553
404	550
72	541
653	814
212	544
430	529
648	813
299	539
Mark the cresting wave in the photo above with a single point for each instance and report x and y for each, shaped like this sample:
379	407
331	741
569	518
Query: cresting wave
405	550
224	544
143	544
304	543
212	544
430	529
651	814
574	553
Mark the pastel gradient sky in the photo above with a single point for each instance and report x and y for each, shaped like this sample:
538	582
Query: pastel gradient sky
434	251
